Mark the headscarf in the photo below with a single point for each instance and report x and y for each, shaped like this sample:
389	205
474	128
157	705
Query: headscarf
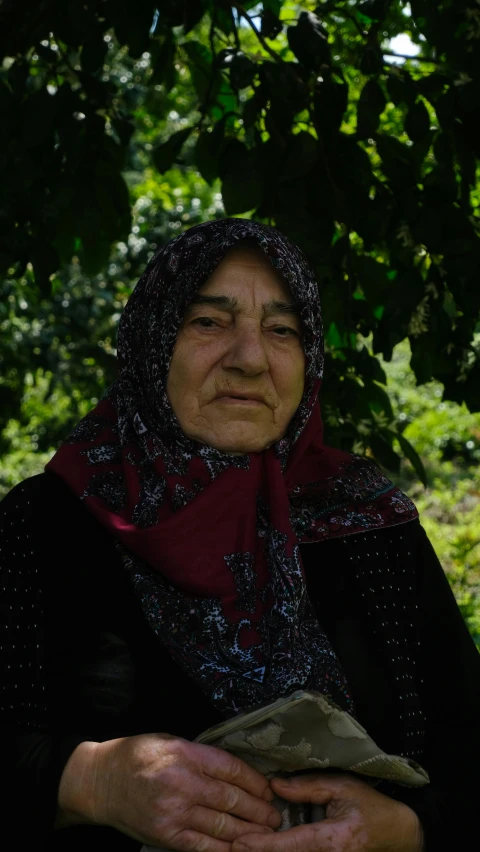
211	539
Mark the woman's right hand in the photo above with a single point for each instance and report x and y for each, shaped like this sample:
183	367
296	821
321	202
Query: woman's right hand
167	791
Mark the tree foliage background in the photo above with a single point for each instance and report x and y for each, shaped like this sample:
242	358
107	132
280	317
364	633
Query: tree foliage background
123	122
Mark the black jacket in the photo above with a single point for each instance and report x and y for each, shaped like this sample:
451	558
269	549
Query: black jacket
79	662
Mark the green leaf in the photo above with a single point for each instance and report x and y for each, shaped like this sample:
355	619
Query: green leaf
165	155
93	54
112	199
252	107
417	122
242	182
72	22
445	109
465	156
284	87
413	457
224	20
45	262
440	185
420	152
163	60
364	19
351	166
17	76
370	106
308	41
46	53
225	56
397	160
378	399
469	388
225	103
368	366
372	277
271	24
193	12
432	85
372	10
371	61
7	101
95	253
301	157
334	339
274	6
429	227
171	15
469	96
124	129
132	21
330	102
442	149
201	69
383	451
242	71
401	299
208	150
38	112
400	87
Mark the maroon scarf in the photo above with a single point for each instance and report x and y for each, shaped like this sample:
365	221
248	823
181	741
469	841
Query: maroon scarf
212	540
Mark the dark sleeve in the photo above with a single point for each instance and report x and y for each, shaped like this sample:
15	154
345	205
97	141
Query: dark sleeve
449	679
32	760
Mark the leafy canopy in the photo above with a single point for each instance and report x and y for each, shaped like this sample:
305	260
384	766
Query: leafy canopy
303	116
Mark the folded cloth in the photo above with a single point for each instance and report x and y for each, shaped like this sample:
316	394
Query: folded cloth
306	731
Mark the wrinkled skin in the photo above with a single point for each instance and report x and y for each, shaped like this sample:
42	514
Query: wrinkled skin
243	351
358	819
167	792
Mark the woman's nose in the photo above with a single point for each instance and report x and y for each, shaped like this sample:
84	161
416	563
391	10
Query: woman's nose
246	351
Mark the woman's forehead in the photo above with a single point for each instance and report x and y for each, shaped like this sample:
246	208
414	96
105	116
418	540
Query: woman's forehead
246	266
247	251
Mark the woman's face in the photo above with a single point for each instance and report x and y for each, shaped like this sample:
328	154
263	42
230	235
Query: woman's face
235	341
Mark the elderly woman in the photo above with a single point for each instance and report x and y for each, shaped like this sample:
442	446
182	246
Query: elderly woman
192	551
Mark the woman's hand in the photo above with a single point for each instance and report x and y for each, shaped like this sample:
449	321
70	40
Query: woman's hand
167	791
359	819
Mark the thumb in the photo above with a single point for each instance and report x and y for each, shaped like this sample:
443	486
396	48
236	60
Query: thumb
304	788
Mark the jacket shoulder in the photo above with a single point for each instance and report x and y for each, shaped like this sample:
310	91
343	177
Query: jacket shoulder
34	490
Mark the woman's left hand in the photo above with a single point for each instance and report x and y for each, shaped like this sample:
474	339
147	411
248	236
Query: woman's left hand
358	819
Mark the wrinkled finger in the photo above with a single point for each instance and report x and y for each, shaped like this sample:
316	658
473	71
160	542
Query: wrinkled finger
221	825
303	838
220	764
231	799
194	841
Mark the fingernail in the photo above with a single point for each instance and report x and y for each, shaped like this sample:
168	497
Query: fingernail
274	819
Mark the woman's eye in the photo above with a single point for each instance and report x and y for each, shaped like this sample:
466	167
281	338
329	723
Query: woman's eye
200	320
286	328
208	322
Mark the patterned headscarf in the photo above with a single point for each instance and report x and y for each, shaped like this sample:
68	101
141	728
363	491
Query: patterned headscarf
212	539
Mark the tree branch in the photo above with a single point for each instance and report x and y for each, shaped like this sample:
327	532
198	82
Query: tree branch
275	56
344	14
235	33
406	56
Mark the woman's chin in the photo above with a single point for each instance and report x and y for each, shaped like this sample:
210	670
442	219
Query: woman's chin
238	445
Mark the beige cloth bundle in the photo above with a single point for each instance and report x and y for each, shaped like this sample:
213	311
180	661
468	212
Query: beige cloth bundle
305	731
